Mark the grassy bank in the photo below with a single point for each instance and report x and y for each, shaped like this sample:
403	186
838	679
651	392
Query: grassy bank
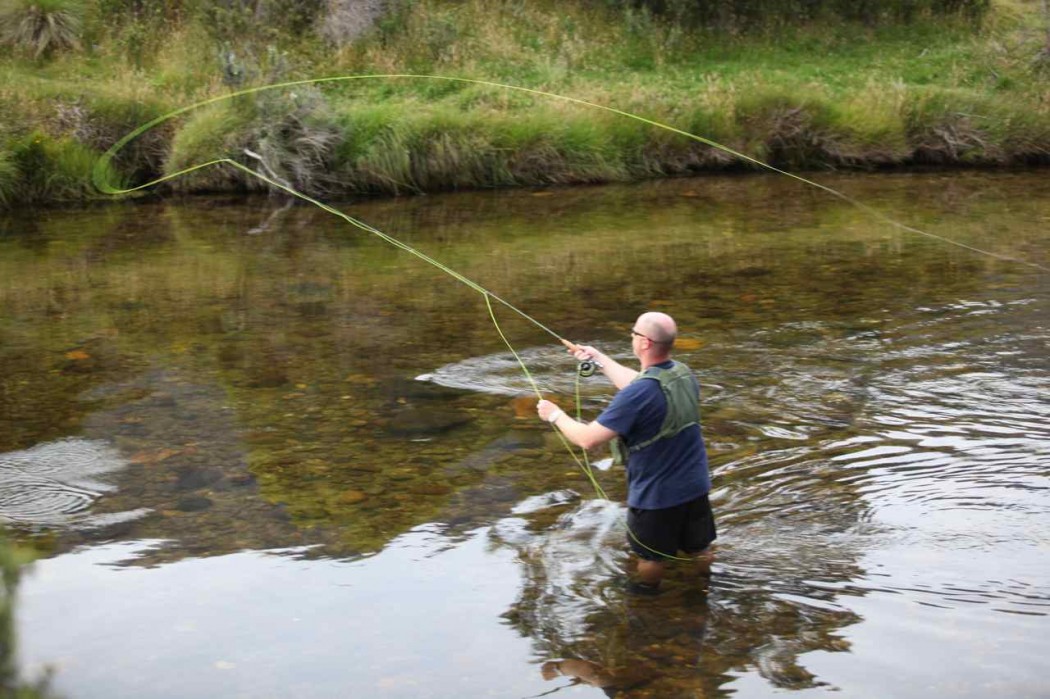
965	87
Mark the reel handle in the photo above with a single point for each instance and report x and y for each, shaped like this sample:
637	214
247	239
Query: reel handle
587	366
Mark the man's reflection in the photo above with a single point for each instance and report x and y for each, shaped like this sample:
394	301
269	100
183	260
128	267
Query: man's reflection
582	671
694	638
650	644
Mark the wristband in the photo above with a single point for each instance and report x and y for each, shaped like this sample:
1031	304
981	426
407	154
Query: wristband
553	417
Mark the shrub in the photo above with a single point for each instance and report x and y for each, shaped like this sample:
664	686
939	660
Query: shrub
343	21
289	131
757	13
269	20
295	136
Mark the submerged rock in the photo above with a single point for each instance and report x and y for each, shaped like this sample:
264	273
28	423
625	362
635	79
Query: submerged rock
351	497
193	503
499	449
430	489
197	478
429	420
360	466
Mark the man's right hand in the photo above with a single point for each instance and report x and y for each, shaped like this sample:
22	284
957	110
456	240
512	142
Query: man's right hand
585	352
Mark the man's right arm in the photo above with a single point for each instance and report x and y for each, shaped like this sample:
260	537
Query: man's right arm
613	370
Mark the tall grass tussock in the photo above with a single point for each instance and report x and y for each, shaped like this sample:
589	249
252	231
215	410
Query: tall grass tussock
802	84
40	27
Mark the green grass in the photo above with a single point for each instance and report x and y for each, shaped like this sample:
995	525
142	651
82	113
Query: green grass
825	94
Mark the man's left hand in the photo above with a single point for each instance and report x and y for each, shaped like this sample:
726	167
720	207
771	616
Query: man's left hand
545	409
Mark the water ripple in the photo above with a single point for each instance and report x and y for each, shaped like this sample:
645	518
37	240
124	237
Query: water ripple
56	483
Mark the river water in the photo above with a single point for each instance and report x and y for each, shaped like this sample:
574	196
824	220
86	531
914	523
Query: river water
265	454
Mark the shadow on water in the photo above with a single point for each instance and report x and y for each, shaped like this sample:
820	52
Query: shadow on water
203	390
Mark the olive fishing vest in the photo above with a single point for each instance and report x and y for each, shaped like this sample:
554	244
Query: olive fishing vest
683	407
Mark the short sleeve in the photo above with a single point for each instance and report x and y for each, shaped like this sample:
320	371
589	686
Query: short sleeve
636	411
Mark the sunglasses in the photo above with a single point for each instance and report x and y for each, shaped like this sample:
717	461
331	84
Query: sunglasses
655	342
635	332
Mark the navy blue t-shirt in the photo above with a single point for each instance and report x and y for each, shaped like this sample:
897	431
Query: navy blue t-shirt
669	471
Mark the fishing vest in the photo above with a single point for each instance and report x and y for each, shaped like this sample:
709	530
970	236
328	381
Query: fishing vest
683	407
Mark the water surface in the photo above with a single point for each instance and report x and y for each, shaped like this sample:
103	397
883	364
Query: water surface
266	454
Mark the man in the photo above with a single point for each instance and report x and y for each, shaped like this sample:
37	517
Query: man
653	421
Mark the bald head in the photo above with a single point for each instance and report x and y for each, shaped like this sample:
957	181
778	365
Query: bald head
658	327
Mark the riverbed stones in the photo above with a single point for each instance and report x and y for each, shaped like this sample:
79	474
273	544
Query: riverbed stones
268	376
430	489
401	474
360	466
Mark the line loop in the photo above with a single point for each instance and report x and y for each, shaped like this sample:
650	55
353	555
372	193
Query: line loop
99	178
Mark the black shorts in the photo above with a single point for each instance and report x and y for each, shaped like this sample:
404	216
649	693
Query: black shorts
656	535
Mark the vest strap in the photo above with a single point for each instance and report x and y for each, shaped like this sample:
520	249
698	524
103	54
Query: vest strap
683	409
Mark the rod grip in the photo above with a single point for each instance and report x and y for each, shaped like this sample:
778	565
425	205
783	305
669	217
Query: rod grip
569	346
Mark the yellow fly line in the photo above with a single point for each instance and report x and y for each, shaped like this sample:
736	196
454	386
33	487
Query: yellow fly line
99	177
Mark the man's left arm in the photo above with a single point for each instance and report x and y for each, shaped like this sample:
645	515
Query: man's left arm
583	434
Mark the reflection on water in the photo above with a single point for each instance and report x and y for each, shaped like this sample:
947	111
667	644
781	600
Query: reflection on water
324	476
